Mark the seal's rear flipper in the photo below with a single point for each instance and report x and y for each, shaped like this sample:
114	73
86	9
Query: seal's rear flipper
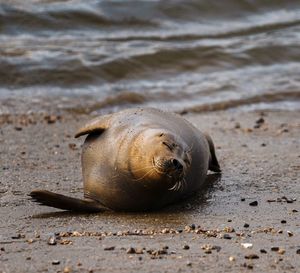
213	161
60	201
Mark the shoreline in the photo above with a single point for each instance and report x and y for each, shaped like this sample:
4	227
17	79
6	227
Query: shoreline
259	156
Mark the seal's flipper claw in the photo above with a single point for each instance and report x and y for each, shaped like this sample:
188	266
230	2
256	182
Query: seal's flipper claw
60	201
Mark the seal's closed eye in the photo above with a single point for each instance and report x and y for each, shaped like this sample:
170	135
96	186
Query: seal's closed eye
170	146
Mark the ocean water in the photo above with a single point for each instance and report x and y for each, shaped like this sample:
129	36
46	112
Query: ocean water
178	55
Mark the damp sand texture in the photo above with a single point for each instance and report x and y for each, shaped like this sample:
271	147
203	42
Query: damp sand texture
246	220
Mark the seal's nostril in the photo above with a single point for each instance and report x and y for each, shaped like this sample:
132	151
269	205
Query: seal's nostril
177	164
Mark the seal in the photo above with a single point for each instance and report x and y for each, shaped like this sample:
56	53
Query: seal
138	159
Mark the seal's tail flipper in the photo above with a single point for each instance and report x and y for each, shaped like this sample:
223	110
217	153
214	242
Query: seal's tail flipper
213	161
60	201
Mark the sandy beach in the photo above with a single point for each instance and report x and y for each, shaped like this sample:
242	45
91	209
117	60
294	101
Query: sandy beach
247	220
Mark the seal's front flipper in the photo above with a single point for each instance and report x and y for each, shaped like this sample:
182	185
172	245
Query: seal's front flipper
213	161
60	201
97	125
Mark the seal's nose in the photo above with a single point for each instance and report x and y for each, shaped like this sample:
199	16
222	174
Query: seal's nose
177	165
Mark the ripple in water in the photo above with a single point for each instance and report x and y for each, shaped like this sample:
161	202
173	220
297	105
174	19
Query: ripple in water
178	55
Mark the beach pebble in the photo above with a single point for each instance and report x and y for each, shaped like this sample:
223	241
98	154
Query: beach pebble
52	241
72	146
253	204
227	236
109	248
263	251
249	266
67	269
246	225
186	247
260	121
274	248
252	256
231	258
247	245
188	263
290	234
298	251
55	262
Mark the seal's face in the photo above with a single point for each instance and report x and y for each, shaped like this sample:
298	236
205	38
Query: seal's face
165	157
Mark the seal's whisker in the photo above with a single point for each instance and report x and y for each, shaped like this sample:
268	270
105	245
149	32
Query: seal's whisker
144	175
144	168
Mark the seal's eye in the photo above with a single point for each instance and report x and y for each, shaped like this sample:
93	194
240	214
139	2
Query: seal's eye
170	146
161	135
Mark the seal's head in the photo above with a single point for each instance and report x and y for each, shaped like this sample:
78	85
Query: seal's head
165	158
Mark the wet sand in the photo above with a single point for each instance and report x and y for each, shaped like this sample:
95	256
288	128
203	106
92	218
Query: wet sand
204	233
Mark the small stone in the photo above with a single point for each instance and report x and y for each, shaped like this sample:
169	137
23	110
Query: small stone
247	245
72	146
281	251
231	258
263	251
227	236
229	220
229	229
2	249
139	251
186	247
109	248
249	266
274	248
283	221
67	269
188	263
246	225
263	145
280	231
298	251
252	256
52	241
17	128
237	125
131	250
18	236
260	121
294	210
55	262
28	258
51	119
253	204
290	234
243	199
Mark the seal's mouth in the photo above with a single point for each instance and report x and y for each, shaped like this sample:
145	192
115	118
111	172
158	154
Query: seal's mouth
173	170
